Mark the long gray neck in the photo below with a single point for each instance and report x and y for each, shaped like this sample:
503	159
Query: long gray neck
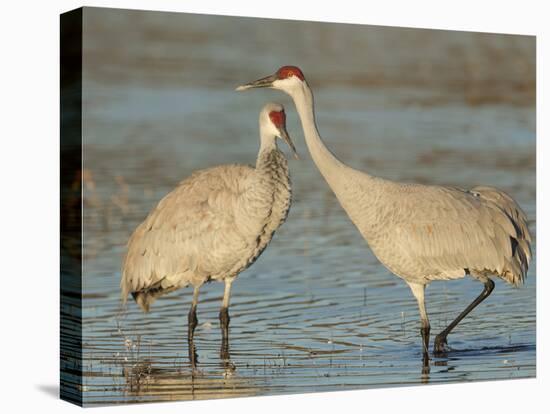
326	161
356	191
333	170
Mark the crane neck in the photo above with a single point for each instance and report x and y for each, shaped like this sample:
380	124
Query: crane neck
272	161
325	160
359	193
268	144
333	170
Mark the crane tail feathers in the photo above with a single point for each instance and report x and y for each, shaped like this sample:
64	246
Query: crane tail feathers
146	297
517	264
144	300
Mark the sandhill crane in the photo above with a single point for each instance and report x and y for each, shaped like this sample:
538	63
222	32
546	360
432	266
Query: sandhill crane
212	226
421	233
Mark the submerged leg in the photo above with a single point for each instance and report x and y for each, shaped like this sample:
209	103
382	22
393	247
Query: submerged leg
418	292
441	339
224	318
192	323
192	316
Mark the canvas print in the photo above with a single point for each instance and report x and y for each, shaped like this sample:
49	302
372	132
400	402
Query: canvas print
259	206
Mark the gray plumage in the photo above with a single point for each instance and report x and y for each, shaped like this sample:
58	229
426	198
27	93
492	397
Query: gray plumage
421	233
213	225
424	233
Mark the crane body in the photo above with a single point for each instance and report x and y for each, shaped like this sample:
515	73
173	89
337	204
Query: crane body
212	226
421	233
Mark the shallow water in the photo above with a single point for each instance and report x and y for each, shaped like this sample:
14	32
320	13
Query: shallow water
317	311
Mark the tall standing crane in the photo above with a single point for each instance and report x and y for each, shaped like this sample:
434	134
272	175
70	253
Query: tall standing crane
421	233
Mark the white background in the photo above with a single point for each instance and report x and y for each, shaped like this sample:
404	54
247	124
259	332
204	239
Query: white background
29	166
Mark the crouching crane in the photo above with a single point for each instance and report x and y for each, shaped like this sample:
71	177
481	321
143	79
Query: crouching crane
212	226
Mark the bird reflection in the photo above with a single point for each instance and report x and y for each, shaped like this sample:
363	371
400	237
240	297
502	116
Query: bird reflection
175	382
225	356
425	373
425	364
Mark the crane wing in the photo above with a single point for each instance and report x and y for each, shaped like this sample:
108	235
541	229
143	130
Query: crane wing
186	232
449	231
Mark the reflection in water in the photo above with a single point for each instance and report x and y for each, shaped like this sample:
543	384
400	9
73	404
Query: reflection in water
225	356
192	350
224	327
143	379
165	385
425	368
425	373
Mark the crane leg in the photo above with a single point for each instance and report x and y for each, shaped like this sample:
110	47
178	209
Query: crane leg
441	339
224	318
192	323
418	292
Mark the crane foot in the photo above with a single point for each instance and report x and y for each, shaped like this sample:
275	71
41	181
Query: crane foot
440	345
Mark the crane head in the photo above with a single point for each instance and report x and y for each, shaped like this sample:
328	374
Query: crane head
284	79
273	120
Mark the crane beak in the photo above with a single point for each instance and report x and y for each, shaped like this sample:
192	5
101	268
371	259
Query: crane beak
286	137
260	83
